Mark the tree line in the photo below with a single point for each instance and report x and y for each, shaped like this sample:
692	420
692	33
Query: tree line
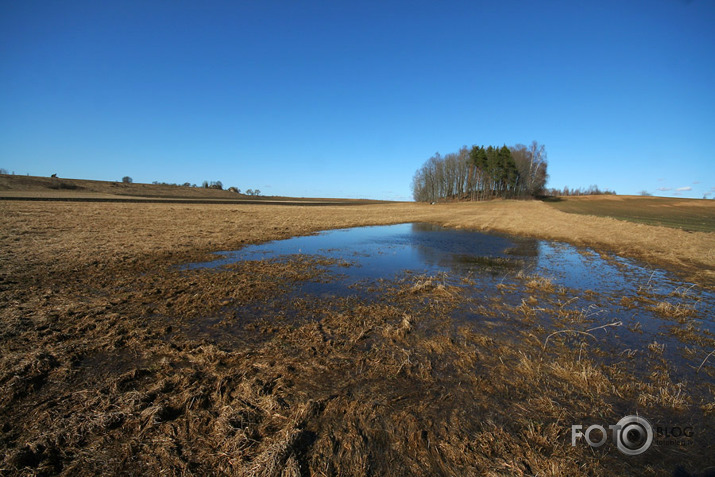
591	190
217	185
482	173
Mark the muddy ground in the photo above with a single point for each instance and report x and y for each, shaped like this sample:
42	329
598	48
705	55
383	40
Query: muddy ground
114	361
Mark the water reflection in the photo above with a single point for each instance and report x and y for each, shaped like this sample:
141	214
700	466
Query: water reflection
465	251
384	251
495	273
593	281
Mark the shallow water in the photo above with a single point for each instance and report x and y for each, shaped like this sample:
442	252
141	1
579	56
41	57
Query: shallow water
482	263
385	252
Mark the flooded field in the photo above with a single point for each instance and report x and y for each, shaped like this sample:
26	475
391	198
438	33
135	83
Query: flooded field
129	347
592	334
639	304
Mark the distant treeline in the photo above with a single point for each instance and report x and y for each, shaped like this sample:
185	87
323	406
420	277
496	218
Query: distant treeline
592	190
482	173
217	185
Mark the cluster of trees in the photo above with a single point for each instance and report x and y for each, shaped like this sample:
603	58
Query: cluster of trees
218	185
591	190
482	173
185	184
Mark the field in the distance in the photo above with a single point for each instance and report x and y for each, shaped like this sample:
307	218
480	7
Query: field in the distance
17	187
686	214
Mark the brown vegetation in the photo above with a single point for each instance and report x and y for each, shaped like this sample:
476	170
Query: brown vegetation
38	232
34	187
115	361
686	214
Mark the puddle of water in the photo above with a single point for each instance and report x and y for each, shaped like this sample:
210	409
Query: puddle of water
384	252
478	262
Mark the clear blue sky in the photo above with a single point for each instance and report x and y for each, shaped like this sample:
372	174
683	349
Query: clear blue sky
348	99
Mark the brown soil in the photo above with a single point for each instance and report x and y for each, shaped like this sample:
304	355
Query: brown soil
697	215
114	361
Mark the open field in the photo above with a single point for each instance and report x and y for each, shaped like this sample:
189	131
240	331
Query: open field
107	365
49	188
37	233
686	214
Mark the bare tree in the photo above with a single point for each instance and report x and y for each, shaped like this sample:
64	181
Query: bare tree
537	168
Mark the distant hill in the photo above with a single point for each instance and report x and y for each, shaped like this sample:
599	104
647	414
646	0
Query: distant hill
60	188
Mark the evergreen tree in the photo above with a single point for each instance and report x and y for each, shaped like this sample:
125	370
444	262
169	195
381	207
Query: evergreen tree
508	173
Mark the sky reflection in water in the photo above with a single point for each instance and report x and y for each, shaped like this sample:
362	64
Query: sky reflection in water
389	252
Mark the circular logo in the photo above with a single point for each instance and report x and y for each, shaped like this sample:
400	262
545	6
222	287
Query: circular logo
634	435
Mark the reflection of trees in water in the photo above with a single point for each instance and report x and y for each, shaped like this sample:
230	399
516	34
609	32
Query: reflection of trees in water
524	247
425	227
463	251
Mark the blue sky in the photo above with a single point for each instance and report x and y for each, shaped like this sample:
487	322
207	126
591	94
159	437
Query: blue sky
348	99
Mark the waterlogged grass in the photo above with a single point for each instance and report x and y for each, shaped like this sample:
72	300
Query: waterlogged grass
225	371
116	361
685	214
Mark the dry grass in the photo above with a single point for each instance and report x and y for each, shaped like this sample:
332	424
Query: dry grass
678	310
76	233
541	283
113	361
14	187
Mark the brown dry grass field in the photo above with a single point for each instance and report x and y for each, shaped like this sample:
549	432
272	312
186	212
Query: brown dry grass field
36	187
107	367
105	231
